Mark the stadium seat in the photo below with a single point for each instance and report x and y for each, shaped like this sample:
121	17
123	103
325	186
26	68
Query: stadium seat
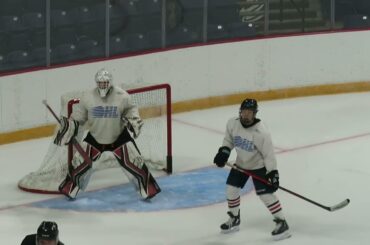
11	7
141	24
363	7
151	7
129	7
19	59
137	41
34	20
182	35
356	21
11	23
38	38
3	42
64	53
343	8
35	5
64	35
216	32
62	18
223	11
118	17
117	45
155	38
242	29
89	48
84	14
38	56
88	21
192	4
18	41
192	13
4	65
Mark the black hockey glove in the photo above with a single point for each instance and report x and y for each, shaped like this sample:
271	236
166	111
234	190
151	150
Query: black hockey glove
273	178
222	156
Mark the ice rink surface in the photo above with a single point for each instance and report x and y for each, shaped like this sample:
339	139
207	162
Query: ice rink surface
323	151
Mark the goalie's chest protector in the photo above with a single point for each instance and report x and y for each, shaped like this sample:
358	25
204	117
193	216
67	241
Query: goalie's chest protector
104	115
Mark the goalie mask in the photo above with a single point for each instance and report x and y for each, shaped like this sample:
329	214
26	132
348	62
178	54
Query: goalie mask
103	81
247	112
47	233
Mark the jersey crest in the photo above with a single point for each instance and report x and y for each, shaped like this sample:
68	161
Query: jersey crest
104	112
243	144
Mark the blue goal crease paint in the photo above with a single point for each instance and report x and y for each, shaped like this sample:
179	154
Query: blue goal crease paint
192	189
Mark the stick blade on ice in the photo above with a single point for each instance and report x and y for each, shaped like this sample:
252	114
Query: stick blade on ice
340	205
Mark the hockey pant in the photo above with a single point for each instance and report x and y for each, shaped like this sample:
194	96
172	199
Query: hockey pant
127	155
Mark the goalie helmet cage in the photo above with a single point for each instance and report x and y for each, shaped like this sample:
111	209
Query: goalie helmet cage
154	142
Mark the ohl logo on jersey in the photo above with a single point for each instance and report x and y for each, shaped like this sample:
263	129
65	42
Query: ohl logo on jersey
104	112
244	144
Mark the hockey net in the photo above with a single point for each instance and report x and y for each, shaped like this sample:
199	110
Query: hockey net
154	142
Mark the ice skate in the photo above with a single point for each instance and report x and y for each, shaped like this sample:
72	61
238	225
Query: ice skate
281	230
232	224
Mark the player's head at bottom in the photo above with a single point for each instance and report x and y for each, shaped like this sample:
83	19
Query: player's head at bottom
47	233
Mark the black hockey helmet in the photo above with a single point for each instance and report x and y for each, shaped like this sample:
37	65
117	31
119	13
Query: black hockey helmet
250	104
48	230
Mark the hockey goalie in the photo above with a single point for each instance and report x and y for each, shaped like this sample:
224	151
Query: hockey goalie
113	122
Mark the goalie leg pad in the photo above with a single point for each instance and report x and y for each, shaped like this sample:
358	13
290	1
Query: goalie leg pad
69	188
79	177
131	161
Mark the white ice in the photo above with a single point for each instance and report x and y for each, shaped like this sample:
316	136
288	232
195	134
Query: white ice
322	146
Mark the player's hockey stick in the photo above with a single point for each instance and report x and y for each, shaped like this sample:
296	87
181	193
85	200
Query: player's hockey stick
73	140
329	208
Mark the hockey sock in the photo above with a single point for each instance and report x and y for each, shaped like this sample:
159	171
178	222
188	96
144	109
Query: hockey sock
233	199
273	204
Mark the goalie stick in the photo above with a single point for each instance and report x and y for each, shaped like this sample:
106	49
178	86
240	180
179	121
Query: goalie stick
73	140
335	207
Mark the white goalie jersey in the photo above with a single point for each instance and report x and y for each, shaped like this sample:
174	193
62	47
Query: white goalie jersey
104	118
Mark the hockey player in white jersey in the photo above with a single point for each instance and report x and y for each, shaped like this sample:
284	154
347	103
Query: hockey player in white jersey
252	142
111	119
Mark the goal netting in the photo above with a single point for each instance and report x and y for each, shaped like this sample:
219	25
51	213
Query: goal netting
154	142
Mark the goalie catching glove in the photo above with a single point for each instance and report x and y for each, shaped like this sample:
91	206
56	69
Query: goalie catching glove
133	124
67	130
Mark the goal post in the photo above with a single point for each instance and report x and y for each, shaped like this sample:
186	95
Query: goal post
154	141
